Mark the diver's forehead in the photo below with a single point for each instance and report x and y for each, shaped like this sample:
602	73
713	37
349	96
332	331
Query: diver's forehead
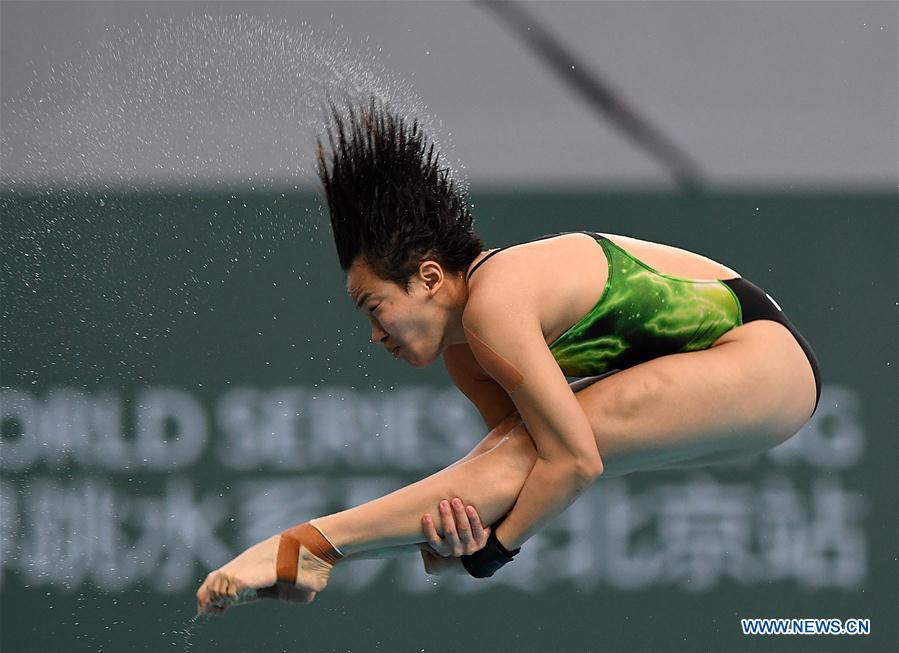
363	284
355	291
360	278
355	281
359	288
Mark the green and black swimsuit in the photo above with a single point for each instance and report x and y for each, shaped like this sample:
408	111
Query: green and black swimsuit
643	314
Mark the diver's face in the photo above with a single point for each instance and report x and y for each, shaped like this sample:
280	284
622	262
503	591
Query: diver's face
408	326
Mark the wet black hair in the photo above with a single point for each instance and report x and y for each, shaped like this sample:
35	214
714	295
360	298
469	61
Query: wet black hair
390	200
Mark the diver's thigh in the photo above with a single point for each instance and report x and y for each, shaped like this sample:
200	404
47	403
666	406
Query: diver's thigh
746	395
585	382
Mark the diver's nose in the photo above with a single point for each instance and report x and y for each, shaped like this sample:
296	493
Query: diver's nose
377	334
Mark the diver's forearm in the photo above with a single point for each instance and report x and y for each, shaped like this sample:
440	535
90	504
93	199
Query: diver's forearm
489	482
549	489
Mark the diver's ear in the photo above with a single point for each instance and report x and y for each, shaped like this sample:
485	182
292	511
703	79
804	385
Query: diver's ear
431	274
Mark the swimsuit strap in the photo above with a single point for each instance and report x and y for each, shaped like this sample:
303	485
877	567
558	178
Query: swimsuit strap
482	261
559	233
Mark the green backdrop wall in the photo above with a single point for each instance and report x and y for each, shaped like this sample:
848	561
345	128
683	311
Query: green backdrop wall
182	375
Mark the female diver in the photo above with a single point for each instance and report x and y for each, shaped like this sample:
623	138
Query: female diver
681	362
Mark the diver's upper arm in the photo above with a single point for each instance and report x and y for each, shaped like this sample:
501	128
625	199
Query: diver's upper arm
488	396
506	339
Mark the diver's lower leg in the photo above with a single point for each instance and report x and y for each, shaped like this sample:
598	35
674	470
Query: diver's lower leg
490	482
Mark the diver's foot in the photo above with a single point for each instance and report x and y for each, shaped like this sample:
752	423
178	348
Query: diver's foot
306	557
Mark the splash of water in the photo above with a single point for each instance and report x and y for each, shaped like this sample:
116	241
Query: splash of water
224	101
188	632
193	102
248	595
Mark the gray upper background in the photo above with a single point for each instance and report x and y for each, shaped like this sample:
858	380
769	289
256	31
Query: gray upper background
791	95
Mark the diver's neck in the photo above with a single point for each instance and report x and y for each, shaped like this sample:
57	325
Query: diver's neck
455	332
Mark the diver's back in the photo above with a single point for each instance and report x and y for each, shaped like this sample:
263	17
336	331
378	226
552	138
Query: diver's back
673	261
565	275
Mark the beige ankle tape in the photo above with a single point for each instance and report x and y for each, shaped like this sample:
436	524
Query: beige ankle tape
313	540
339	552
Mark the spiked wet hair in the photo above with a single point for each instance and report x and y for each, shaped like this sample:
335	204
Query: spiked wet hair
390	200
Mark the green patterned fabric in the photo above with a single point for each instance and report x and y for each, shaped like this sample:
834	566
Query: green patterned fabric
642	315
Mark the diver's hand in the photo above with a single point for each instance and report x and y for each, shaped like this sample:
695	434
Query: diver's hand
463	534
436	565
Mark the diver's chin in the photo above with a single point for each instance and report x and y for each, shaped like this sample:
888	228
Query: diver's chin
417	362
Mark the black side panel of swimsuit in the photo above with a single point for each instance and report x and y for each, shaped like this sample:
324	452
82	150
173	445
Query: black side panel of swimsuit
757	306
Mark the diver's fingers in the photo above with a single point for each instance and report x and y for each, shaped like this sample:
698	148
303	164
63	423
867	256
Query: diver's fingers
436	542
463	526
479	532
449	529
